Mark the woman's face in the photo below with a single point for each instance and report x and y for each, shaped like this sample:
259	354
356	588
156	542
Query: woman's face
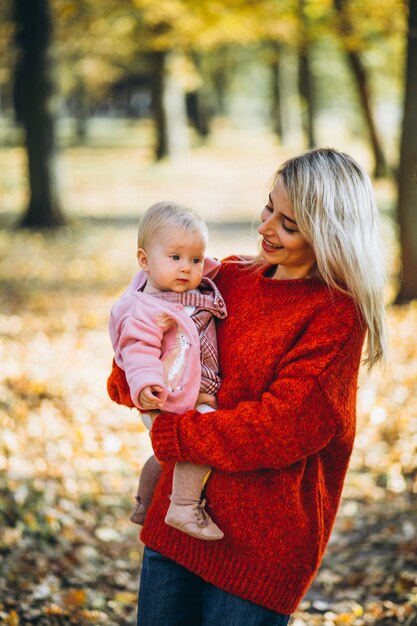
282	243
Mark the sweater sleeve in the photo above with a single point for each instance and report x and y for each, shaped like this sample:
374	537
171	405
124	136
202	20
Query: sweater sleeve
140	350
293	419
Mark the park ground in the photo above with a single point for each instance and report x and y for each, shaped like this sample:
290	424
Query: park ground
69	458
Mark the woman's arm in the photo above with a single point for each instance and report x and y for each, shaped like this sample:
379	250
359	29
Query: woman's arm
296	417
292	421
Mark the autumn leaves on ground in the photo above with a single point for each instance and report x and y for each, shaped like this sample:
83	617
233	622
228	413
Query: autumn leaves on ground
69	458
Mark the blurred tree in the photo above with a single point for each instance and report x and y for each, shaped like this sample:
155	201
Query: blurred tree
360	74
274	63
165	35
6	57
407	179
158	81
198	114
200	100
276	27
168	105
34	89
93	57
81	109
305	77
206	37
302	23
150	35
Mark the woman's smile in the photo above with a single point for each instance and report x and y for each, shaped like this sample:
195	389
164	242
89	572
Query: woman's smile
269	246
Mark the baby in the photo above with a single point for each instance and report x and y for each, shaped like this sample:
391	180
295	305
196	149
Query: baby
164	338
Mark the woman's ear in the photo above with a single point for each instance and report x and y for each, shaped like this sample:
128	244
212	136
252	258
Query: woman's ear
142	258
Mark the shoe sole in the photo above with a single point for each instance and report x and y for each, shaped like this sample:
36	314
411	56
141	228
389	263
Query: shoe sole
191	533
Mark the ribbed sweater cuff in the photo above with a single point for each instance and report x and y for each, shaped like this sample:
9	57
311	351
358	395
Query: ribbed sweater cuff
164	437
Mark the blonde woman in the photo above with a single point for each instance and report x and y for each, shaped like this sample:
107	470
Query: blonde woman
280	441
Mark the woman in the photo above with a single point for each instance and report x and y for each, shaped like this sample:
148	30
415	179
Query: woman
279	443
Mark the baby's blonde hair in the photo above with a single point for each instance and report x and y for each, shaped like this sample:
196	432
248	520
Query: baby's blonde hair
335	210
171	214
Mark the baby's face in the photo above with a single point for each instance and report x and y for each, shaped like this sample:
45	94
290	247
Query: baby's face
174	260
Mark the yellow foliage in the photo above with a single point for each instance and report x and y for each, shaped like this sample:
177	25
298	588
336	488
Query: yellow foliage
93	617
54	609
125	597
344	619
75	598
12	619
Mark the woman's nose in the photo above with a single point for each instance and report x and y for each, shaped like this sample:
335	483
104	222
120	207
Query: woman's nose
264	226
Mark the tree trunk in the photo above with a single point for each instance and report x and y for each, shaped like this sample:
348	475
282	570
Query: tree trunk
200	109
169	108
175	111
362	85
34	91
305	81
222	69
158	73
198	113
81	110
407	183
307	96
276	113
291	121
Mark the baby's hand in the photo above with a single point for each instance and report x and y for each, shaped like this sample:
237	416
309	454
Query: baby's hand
148	399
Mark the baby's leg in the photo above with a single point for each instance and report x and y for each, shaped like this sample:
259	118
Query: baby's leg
207	401
186	511
188	482
149	477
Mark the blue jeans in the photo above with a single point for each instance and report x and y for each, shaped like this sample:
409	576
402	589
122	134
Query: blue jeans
170	595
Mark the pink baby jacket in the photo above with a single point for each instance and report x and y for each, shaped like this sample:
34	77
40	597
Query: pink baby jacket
157	343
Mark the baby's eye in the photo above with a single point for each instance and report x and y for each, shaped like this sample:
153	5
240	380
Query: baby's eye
175	257
196	260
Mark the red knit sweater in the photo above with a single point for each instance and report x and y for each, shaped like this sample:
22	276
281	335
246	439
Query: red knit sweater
279	444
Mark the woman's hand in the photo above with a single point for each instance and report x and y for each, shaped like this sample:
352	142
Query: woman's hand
148	398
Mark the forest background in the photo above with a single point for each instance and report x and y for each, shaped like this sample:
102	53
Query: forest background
106	108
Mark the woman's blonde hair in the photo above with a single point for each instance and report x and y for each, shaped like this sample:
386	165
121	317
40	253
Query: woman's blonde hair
335	210
171	214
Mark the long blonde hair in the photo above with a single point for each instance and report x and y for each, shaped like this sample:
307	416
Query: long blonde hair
335	210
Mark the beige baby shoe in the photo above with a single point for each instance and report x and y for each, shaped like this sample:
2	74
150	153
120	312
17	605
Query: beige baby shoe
139	512
194	520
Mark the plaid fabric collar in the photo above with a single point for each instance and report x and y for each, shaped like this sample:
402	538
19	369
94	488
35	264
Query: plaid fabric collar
206	298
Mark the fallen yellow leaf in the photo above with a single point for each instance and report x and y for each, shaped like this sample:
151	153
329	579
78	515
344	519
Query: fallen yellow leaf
125	597
12	619
344	619
75	598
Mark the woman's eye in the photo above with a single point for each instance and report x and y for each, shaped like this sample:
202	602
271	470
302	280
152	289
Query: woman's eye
269	208
288	230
